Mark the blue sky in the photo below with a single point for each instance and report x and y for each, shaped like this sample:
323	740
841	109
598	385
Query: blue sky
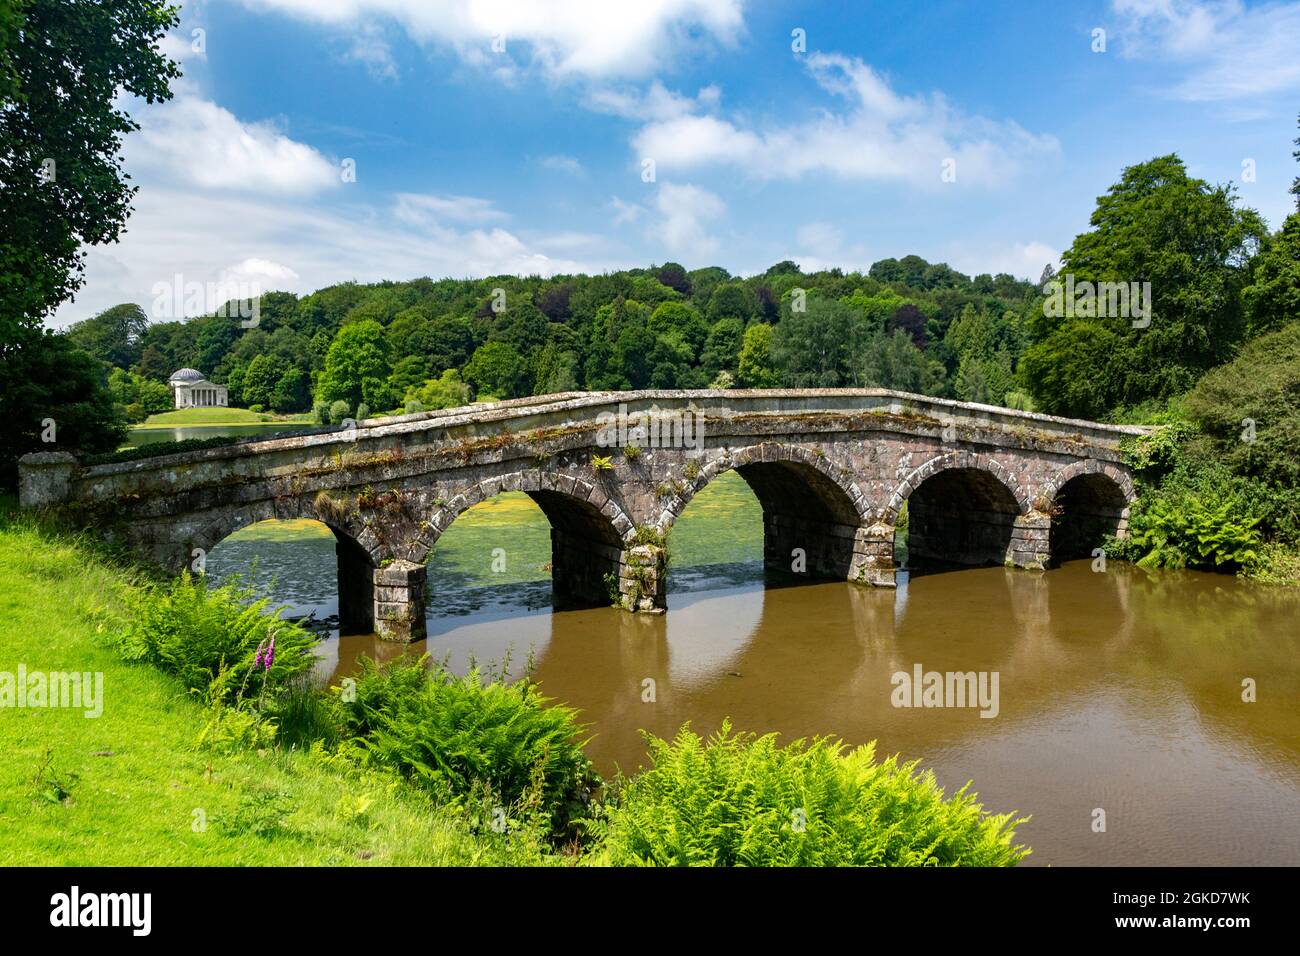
506	136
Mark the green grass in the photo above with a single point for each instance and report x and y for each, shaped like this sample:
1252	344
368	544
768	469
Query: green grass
124	788
191	417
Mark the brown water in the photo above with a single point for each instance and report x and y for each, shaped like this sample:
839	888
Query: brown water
1119	690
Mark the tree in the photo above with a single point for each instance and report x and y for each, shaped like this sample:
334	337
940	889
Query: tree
1295	183
261	378
1076	371
722	347
783	268
141	397
292	392
811	348
49	388
731	300
113	335
446	391
153	364
356	367
498	369
673	275
633	355
1192	243
216	338
553	301
1273	297
684	322
61	133
893	361
408	373
10	22
755	368
556	370
908	318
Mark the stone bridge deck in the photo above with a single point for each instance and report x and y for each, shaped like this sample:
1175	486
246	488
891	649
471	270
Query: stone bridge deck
612	471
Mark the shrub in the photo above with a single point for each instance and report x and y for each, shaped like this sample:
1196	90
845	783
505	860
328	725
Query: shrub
1180	529
455	735
320	413
257	408
363	412
1248	408
740	800
339	410
201	634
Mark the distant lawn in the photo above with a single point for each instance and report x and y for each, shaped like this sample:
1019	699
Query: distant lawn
130	787
191	417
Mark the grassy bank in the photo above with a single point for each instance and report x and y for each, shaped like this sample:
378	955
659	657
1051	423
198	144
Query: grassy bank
197	417
130	787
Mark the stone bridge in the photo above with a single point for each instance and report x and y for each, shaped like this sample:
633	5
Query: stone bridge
612	471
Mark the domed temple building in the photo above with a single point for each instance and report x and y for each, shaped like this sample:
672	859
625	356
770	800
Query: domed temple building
191	390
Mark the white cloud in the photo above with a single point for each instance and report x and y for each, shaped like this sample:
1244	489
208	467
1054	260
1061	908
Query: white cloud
191	140
586	38
182	48
684	211
1024	260
369	48
821	245
880	136
1231	51
625	211
295	245
270	274
424	210
657	103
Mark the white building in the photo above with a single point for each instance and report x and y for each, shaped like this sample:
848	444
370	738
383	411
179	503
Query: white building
191	390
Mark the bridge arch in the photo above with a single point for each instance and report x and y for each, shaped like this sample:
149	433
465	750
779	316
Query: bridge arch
355	563
963	508
590	530
808	504
1088	501
210	533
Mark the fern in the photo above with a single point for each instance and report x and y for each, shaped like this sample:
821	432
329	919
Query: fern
454	735
742	800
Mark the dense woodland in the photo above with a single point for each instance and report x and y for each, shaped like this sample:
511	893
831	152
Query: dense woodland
428	343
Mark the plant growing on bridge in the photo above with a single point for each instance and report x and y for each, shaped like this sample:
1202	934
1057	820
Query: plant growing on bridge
602	463
331	508
742	800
